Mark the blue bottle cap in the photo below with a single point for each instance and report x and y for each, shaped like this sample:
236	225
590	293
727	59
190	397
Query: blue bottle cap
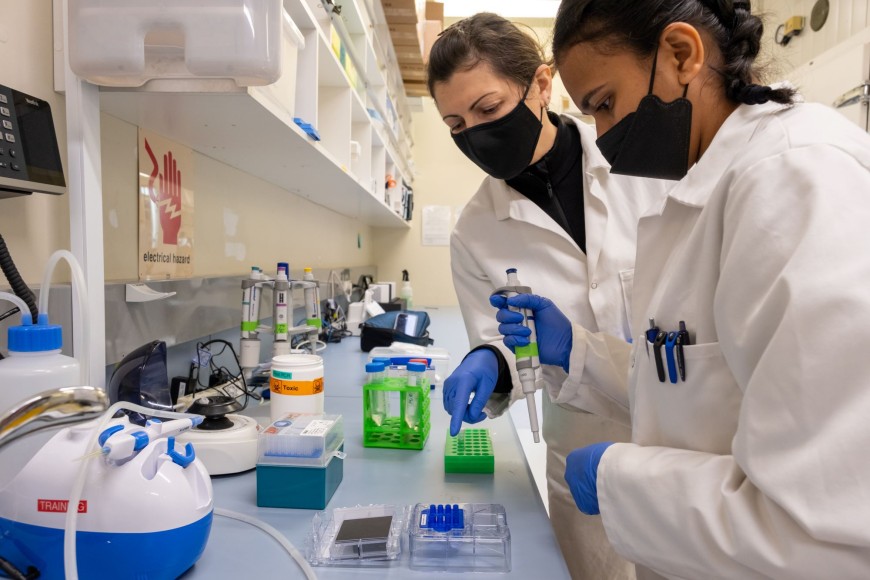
415	367
375	367
39	337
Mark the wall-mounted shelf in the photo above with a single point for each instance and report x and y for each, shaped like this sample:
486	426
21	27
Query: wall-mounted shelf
252	129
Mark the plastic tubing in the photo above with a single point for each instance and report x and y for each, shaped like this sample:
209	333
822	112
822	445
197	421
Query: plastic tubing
279	537
69	535
81	290
22	306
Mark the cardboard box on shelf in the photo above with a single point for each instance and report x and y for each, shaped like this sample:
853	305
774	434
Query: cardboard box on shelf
404	35
413	72
400	11
435	11
416	89
431	30
408	54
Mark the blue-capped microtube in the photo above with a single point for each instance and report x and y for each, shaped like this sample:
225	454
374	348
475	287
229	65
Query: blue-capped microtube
443	518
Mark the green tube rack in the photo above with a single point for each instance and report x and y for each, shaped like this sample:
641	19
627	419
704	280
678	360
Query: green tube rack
469	452
386	421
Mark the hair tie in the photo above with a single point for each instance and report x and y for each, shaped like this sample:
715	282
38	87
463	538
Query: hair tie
753	94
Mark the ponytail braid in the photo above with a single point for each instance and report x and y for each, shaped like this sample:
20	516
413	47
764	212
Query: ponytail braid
739	52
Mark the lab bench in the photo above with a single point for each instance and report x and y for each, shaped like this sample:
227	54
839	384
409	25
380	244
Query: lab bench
382	476
386	476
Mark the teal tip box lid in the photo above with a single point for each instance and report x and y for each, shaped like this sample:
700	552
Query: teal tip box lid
301	439
469	452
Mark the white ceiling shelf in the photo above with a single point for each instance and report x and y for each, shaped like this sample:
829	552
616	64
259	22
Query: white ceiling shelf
241	130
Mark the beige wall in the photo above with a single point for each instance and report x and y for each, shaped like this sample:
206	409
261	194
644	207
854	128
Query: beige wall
846	18
233	210
444	177
32	226
239	220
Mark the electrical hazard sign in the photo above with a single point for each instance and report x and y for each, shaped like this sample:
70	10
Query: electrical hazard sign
165	208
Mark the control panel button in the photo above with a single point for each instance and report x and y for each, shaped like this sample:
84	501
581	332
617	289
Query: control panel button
4	111
16	167
7	124
2	152
10	137
13	153
3	165
3	99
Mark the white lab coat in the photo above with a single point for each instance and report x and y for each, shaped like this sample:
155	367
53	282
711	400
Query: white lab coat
755	466
499	229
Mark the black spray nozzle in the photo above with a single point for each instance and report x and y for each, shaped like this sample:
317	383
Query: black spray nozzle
19	287
405	276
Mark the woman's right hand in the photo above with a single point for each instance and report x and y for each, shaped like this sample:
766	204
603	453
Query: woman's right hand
553	329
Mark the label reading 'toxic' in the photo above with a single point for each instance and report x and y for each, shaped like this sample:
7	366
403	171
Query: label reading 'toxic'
282	387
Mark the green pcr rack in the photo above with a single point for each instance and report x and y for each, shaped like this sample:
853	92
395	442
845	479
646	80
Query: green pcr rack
395	415
469	452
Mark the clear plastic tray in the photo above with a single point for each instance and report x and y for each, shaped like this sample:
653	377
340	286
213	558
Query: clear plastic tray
300	439
357	536
465	537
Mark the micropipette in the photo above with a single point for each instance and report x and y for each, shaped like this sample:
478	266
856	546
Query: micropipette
527	363
280	316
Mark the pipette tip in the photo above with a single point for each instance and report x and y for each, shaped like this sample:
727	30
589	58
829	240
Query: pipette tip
87	456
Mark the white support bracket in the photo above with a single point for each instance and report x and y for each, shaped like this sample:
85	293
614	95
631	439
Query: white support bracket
86	207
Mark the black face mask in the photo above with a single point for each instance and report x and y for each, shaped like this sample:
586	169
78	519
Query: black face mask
653	141
504	147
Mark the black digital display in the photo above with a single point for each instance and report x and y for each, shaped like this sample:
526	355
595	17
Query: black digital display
38	140
29	156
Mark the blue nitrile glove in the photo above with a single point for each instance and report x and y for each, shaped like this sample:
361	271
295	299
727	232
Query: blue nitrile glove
477	374
555	336
581	473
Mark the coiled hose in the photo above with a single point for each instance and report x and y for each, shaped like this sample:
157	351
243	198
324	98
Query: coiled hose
18	285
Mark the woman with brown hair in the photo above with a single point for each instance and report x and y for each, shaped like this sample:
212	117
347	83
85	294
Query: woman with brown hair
549	208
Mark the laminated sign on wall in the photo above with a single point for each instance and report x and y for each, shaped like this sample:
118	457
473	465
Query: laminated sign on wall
165	208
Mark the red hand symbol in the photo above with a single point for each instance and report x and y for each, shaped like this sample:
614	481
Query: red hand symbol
168	198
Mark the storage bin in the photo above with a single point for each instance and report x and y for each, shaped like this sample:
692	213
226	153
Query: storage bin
130	42
282	93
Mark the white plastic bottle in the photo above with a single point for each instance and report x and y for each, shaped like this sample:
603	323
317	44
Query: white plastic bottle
35	363
296	385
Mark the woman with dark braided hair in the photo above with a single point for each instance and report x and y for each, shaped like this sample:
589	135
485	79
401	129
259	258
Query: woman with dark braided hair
748	380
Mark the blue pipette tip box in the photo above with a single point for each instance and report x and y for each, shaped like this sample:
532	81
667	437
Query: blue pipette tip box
299	461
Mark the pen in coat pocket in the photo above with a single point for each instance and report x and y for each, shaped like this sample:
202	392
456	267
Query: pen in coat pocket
682	340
